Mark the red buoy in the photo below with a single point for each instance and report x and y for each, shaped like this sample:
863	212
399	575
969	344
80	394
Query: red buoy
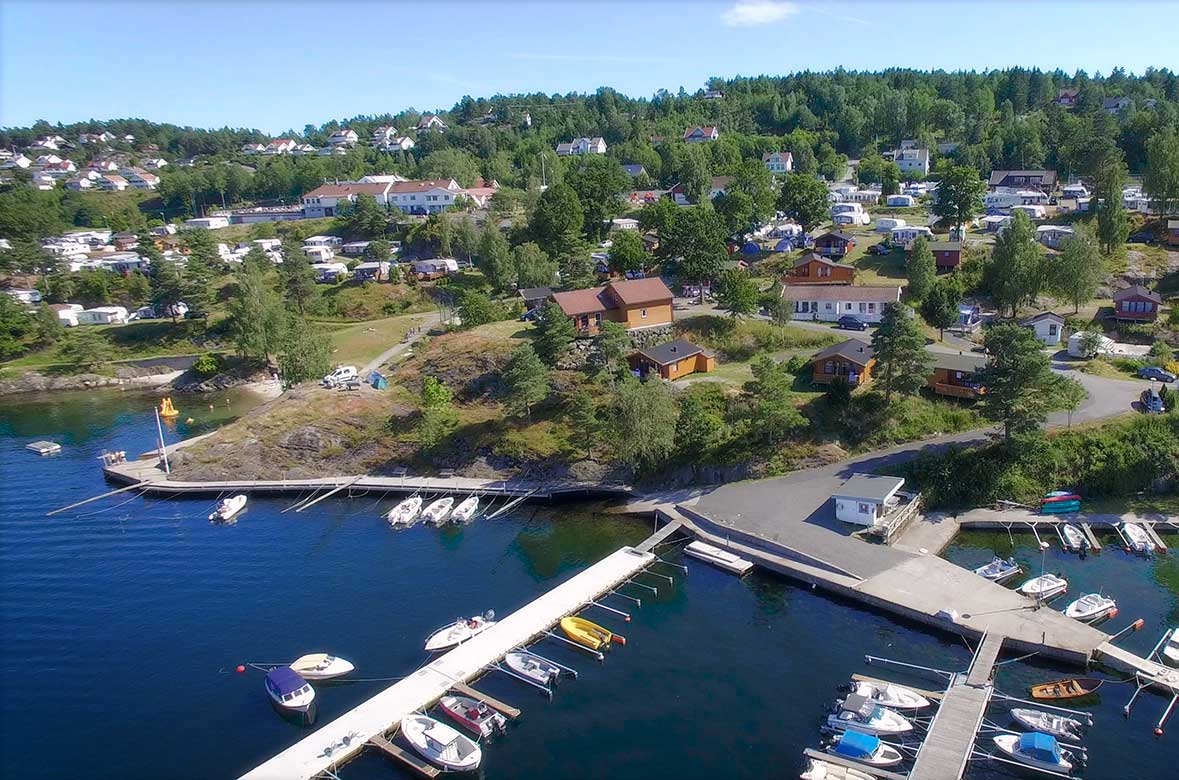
240	668
626	619
619	638
1158	732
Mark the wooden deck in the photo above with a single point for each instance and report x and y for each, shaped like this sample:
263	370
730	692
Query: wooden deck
407	758
507	710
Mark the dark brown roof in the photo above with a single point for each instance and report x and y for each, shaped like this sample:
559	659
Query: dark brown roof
575	302
1138	291
836	235
853	350
967	364
811	257
1042	316
535	293
666	354
633	292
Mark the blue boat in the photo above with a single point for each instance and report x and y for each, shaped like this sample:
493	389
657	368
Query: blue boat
865	748
1061	508
291	694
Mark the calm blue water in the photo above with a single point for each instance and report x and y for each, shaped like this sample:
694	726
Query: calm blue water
122	621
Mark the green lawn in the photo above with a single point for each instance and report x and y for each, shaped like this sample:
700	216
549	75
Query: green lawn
358	343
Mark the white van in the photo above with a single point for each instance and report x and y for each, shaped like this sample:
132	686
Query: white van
339	375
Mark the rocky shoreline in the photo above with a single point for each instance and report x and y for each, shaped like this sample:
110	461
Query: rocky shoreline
124	376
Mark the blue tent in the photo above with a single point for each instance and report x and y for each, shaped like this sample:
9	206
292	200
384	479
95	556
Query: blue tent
377	380
1041	747
785	245
283	680
750	248
853	744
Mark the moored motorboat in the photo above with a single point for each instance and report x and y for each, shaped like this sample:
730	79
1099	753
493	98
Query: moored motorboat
1045	586
473	715
404	514
1066	689
459	631
1074	538
719	557
890	695
1091	607
227	508
1059	726
1170	651
290	693
466	510
437	511
999	569
321	666
817	769
585	633
440	744
862	714
1037	750
532	667
865	748
1137	538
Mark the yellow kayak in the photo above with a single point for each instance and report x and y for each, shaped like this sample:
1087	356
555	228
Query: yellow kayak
583	632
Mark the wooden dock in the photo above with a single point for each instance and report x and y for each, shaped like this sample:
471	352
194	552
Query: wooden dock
343	738
507	710
1090	537
407	758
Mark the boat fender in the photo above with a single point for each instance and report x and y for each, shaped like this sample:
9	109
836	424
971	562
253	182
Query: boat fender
1113	613
619	639
240	668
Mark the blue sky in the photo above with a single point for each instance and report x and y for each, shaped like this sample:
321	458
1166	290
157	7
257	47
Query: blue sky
275	66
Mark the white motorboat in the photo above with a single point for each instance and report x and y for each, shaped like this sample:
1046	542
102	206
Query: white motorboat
290	693
437	511
865	749
466	510
887	694
1037	750
440	744
1138	538
1091	607
227	508
1049	723
825	770
861	714
532	667
459	631
999	569
321	666
1170	651
1074	538
1044	587
717	557
473	715
404	514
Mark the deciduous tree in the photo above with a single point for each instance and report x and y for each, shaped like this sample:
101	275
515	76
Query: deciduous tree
438	415
804	199
1017	379
921	270
533	267
959	195
644	423
557	218
737	293
1076	272
902	362
1016	272
1160	179
627	252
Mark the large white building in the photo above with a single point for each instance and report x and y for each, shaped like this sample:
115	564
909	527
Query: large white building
827	303
413	197
913	161
595	145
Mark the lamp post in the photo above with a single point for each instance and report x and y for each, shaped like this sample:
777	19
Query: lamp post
1043	564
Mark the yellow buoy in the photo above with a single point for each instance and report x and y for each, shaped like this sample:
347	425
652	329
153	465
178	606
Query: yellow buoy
166	408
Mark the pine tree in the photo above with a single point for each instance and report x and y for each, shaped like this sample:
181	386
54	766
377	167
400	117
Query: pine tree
901	358
526	379
555	332
1017	379
940	307
298	279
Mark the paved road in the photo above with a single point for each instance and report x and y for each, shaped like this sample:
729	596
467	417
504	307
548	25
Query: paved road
394	351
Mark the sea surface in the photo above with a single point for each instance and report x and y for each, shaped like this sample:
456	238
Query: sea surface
121	623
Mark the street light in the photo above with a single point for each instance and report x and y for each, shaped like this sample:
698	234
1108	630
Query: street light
1043	564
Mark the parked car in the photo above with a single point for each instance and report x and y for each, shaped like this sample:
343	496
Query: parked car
531	314
1156	373
1141	237
1152	402
848	322
879	249
339	376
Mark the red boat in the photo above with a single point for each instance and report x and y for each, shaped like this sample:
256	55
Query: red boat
472	715
1056	498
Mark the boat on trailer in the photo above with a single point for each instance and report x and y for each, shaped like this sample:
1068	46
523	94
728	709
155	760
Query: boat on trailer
440	744
473	715
865	748
1060	726
999	569
824	770
1138	539
321	666
227	508
1092	607
404	514
459	631
890	695
466	510
1046	586
532	667
859	713
721	558
437	511
1037	750
1074	538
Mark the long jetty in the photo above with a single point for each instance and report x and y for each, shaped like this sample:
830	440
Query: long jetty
371	722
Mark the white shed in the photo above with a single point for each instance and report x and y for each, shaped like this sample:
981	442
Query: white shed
103	315
865	498
1048	326
207	223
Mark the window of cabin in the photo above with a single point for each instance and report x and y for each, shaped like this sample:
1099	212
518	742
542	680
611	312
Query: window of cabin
829	367
865	509
828	307
1052	329
643	313
598	318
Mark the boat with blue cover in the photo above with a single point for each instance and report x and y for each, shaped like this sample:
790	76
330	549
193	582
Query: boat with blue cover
865	748
1037	750
290	693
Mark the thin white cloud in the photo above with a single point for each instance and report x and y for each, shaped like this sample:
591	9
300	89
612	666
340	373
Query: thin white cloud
842	17
542	57
754	13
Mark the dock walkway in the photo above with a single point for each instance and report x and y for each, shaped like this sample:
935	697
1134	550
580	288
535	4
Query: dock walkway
342	739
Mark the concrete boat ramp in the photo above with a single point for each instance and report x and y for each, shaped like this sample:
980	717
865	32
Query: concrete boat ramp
342	739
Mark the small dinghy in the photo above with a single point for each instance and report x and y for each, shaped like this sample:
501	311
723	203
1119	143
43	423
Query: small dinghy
472	715
1057	725
1036	750
1066	689
227	508
999	569
459	631
724	559
465	511
585	633
862	714
1170	651
440	744
533	667
824	770
321	666
1044	587
290	693
1074	539
404	514
437	511
866	749
896	697
1137	537
1091	607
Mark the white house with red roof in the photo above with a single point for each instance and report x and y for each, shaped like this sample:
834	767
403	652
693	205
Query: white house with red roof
695	135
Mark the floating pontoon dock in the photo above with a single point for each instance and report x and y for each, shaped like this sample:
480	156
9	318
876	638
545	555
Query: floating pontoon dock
343	738
44	447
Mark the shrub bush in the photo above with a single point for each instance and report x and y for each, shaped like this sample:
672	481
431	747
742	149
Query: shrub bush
207	365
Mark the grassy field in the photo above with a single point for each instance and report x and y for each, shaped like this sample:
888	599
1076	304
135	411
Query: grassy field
358	343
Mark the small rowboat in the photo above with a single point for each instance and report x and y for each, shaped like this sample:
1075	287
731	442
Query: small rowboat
1066	689
885	694
465	511
440	744
1044	587
585	633
532	667
228	508
1040	751
403	515
436	512
1060	508
321	666
472	715
1049	723
1091	607
1138	538
459	631
865	749
1059	496
998	570
1074	539
824	770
